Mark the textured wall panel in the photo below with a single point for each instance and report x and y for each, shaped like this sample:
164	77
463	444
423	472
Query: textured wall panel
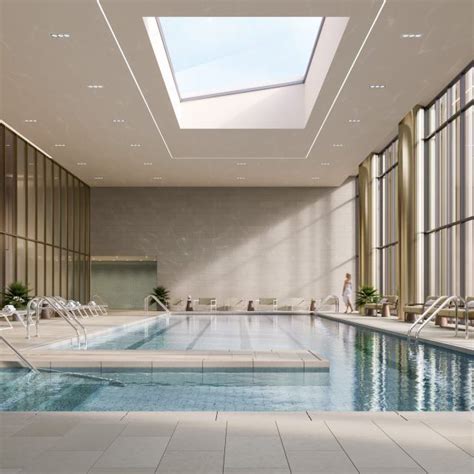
222	242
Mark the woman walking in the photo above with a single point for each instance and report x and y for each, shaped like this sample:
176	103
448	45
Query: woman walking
347	293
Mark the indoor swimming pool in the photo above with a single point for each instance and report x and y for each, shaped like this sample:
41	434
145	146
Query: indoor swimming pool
368	371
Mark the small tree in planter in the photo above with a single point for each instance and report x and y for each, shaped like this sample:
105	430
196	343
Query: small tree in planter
366	294
16	294
161	294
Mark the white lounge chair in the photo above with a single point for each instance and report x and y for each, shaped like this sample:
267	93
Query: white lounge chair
210	303
10	311
234	304
268	302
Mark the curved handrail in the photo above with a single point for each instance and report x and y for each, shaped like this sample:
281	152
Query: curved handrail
466	317
425	313
68	316
37	300
326	300
434	313
146	303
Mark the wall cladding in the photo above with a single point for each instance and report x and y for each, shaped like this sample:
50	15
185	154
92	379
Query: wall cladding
243	242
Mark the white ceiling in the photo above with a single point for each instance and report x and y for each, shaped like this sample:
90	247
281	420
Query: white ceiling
46	79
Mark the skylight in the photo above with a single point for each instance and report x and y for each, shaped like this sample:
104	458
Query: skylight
212	56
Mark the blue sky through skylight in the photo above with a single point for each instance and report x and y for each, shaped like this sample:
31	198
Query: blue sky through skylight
222	55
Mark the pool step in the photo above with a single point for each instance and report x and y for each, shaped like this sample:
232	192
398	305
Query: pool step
205	360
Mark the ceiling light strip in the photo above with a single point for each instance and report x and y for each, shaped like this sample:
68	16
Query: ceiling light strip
347	75
134	78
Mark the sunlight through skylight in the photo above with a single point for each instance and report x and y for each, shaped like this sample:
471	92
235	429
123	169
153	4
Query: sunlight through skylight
224	55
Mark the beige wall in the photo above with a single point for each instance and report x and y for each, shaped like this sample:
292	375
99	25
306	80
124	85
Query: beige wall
250	242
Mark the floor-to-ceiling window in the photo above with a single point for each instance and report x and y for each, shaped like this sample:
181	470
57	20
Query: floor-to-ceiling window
44	219
449	196
387	218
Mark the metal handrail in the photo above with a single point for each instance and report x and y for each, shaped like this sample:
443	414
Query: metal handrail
434	313
71	314
466	318
146	303
425	313
325	300
20	355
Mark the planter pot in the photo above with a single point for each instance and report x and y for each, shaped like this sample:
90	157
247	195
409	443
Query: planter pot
47	313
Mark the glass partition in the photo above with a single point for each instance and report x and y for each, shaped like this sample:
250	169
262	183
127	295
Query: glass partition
44	222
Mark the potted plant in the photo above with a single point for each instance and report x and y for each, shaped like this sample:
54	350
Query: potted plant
162	295
16	294
366	294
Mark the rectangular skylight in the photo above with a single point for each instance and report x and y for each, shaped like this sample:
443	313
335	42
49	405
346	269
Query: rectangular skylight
212	56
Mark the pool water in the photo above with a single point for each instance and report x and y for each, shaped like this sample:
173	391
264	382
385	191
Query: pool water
368	371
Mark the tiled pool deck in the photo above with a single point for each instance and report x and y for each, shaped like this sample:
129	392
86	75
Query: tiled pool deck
222	442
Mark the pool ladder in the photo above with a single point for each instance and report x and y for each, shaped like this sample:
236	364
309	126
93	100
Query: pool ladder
56	303
432	311
146	303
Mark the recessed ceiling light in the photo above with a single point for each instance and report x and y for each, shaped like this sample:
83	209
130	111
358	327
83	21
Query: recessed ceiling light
411	35
337	145
135	145
118	121
376	86
59	145
240	178
95	86
157	177
60	35
241	164
81	163
325	163
354	120
30	120
98	178
147	163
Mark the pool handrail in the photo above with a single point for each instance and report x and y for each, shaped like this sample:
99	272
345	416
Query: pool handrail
326	300
146	303
438	303
19	355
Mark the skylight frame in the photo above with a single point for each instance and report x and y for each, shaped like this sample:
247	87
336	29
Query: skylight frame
237	91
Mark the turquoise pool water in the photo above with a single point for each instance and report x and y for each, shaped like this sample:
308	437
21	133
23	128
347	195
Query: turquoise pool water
368	371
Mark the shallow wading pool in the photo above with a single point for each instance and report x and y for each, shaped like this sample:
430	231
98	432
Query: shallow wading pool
368	371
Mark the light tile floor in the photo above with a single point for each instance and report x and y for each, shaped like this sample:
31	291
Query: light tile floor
221	442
